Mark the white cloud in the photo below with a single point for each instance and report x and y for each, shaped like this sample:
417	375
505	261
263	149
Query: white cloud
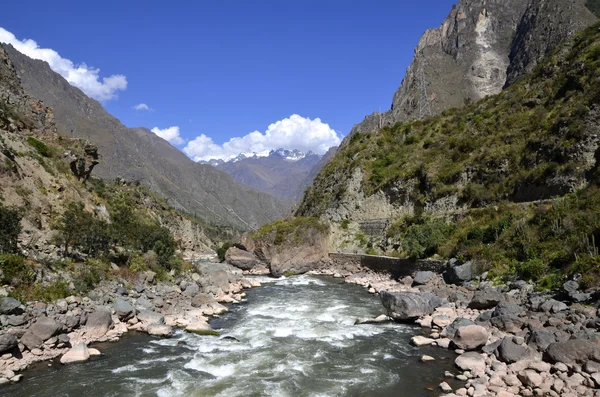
294	132
81	76
142	106
170	134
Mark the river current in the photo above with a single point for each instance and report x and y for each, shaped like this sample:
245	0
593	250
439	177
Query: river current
291	337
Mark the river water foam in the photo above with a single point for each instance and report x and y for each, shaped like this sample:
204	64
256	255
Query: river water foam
293	337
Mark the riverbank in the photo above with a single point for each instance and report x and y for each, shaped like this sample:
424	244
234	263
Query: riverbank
509	339
36	332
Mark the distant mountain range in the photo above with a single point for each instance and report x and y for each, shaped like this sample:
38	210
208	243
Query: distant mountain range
138	155
283	173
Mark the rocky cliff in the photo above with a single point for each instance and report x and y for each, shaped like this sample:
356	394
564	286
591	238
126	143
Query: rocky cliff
481	47
138	155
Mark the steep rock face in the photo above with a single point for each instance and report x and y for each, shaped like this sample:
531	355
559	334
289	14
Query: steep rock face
138	155
482	46
545	24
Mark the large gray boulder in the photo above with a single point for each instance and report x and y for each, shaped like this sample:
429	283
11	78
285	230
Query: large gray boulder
98	323
8	342
553	306
203	300
572	351
458	322
9	306
507	309
509	352
192	289
459	274
123	309
485	299
150	317
31	340
470	337
423	277
45	328
241	259
406	306
541	339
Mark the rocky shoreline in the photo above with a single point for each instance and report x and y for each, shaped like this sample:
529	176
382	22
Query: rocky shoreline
510	340
36	332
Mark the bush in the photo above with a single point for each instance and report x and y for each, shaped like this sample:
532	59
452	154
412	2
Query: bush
10	228
423	240
15	271
89	274
533	269
39	147
222	250
49	293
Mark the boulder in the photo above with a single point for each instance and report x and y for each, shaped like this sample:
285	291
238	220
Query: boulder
530	378
456	324
540	339
507	308
31	341
419	340
77	354
573	351
159	330
98	323
509	352
201	328
123	309
459	274
571	287
16	320
471	361
485	299
191	290
406	306
470	337
202	300
45	328
507	323
10	306
8	342
241	259
423	277
150	317
553	306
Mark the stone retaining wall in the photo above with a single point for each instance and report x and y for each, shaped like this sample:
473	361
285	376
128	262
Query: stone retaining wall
396	266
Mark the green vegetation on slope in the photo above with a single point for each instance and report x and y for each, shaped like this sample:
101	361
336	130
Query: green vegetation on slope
521	164
529	142
291	231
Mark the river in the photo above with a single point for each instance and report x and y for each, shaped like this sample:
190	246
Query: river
291	337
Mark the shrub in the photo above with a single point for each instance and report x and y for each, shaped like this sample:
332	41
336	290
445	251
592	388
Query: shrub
48	293
422	240
10	228
15	271
222	250
89	274
533	269
39	147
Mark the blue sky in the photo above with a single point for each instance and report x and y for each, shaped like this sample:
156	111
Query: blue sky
222	69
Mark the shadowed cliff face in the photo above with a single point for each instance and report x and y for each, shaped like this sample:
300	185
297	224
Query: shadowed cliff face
136	154
481	47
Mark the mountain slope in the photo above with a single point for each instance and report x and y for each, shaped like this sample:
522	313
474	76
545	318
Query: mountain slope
481	47
536	140
275	174
138	155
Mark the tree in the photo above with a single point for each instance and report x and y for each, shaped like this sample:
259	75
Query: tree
10	228
81	230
